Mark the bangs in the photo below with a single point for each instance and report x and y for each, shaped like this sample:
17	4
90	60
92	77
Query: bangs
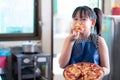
84	11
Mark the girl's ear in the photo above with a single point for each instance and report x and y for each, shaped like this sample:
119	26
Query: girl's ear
93	23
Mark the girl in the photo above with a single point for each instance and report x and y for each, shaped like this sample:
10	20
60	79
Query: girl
85	46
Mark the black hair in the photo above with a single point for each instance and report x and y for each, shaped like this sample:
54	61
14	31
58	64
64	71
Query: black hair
95	14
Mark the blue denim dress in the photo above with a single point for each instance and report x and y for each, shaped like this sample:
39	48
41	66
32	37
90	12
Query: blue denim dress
86	51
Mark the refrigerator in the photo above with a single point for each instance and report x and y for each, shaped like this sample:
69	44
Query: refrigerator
111	34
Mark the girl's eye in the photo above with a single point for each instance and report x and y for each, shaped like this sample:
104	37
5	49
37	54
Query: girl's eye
75	18
84	19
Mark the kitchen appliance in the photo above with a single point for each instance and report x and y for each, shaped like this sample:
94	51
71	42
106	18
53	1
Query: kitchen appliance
31	66
111	34
30	47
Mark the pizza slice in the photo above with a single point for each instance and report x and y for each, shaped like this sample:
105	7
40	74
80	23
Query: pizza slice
72	72
78	27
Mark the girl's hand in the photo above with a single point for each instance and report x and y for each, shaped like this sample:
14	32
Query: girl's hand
76	30
73	34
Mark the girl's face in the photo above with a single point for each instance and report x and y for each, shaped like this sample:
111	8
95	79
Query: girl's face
86	22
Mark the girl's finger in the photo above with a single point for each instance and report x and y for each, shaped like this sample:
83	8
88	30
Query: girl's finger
71	27
72	30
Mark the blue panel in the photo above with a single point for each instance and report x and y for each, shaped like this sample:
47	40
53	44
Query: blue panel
4	52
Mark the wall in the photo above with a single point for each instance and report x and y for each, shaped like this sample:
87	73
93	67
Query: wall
118	2
46	28
108	6
58	44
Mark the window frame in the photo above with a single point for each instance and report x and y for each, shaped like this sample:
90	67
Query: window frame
26	36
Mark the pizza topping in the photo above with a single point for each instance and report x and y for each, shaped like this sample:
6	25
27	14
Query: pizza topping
83	71
78	27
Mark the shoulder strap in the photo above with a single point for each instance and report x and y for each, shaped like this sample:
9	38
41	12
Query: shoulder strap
94	38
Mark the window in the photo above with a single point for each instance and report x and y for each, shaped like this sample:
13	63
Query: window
63	10
19	20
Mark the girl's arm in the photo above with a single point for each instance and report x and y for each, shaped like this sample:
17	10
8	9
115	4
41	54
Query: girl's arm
67	47
104	55
66	51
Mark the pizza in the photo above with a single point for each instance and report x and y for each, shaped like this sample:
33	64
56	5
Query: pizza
83	71
78	27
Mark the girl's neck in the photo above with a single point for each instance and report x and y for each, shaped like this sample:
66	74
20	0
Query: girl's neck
85	36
